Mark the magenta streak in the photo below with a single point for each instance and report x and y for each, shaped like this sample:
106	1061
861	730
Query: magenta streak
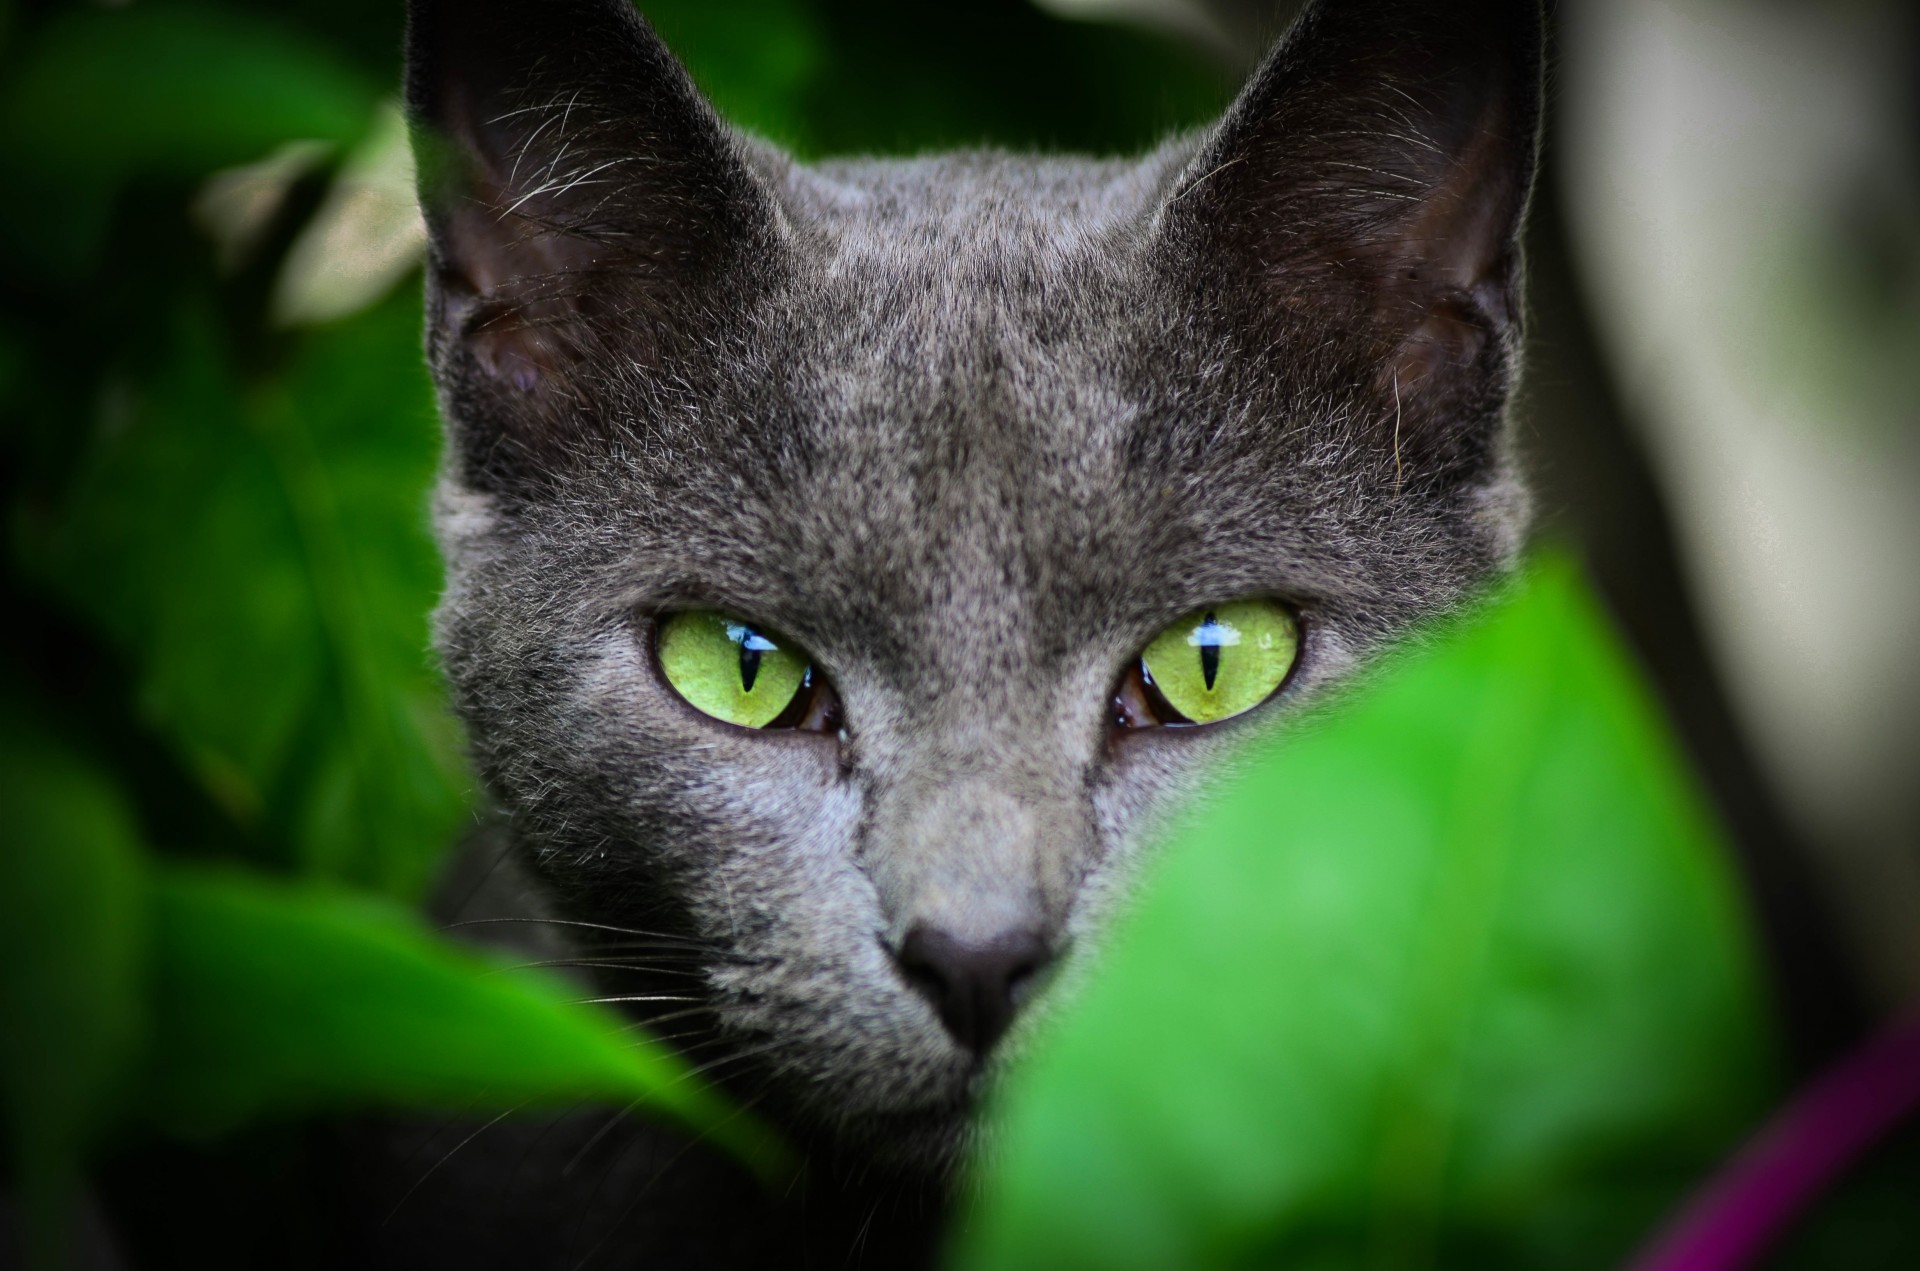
1796	1156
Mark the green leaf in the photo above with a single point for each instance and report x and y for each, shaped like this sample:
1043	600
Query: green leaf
172	88
97	96
272	1001
1456	977
260	556
870	76
72	925
754	59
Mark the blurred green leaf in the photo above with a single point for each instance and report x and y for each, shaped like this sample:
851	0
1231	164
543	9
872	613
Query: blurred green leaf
172	88
272	1001
72	979
754	59
873	76
260	555
1457	978
95	97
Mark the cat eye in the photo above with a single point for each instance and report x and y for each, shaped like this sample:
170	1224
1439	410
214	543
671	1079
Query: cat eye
742	674
1213	664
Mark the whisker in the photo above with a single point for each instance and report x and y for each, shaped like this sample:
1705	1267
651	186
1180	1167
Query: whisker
594	1139
668	1018
680	972
860	1239
651	946
571	922
685	1035
640	1193
431	1169
426	1143
500	858
509	1184
607	965
695	1039
702	951
751	1052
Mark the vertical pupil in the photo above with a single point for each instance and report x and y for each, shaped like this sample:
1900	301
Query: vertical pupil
752	646
749	667
1209	650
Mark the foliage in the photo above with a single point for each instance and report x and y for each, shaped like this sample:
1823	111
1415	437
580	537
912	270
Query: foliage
342	1000
263	627
72	931
198	1002
1454	977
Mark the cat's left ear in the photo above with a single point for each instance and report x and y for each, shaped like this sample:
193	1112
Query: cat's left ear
1372	178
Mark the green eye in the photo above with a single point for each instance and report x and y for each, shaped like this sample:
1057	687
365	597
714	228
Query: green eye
733	671
1222	660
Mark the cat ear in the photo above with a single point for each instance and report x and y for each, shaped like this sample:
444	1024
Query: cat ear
1372	176
572	178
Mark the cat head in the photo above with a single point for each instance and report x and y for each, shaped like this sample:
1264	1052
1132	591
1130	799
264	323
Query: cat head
930	451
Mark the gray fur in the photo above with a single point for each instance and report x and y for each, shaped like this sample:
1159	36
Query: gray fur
972	429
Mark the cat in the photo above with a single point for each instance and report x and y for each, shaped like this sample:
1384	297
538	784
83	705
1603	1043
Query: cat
837	552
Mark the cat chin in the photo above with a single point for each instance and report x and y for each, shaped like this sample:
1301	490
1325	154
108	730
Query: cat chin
930	1138
931	1142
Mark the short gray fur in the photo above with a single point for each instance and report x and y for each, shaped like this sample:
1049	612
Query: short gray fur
970	428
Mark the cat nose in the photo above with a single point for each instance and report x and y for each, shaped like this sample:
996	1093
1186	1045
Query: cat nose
976	986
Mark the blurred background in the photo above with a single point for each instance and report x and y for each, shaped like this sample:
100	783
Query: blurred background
1723	413
218	433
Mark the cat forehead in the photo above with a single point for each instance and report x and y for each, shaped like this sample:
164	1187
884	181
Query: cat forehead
998	301
981	204
966	393
969	262
960	484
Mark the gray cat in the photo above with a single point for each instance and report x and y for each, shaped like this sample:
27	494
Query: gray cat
848	562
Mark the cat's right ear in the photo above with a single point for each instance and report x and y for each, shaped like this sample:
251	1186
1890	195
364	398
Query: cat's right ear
1365	193
583	201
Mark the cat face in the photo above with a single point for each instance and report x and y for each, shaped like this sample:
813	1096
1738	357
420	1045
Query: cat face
963	435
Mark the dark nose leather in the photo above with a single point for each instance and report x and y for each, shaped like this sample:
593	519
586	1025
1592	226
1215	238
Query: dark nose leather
975	986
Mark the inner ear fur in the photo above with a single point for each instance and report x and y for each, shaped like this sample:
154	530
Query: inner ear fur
580	194
1372	178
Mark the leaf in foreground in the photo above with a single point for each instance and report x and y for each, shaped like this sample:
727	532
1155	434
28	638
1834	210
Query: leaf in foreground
260	558
1455	978
173	88
72	911
278	1001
